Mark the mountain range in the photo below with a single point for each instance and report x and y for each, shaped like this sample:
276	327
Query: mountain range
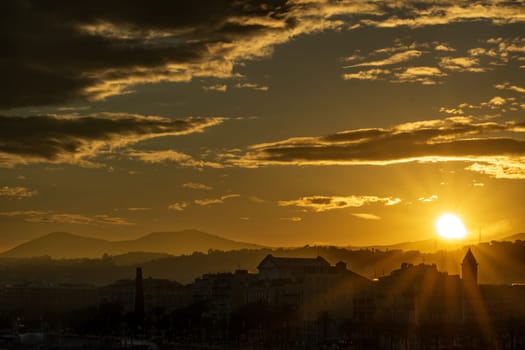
63	245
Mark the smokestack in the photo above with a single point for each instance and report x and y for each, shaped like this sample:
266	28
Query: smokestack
139	297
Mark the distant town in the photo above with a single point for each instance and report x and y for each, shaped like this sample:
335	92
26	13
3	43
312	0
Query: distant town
289	302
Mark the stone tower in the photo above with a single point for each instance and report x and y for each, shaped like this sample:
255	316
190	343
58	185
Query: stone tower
469	269
139	297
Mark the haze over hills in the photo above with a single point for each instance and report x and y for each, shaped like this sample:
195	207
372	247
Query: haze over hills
517	237
63	245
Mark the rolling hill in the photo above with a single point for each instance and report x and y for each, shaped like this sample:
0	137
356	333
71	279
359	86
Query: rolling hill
516	237
63	245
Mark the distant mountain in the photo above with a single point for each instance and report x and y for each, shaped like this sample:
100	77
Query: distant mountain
515	237
63	245
424	246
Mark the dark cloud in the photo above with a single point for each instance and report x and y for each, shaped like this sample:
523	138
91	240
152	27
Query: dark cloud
71	139
325	203
57	50
455	138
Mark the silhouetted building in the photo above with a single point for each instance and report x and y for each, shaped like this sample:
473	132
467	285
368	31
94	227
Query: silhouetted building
139	296
289	268
158	294
418	294
39	298
469	269
222	292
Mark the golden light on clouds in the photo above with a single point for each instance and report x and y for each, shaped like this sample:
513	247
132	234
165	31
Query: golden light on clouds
270	123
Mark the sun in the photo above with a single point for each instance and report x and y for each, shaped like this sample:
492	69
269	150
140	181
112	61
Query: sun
450	226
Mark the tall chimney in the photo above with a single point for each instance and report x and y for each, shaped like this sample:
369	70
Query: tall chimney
139	298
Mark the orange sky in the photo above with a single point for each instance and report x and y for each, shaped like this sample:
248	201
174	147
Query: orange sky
280	123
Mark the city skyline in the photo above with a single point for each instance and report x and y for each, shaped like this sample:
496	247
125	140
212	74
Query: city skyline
280	123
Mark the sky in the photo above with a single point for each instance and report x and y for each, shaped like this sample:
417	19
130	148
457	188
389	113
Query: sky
275	122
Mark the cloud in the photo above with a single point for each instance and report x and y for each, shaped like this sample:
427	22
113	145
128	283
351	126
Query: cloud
420	74
404	65
429	199
440	140
253	86
371	74
509	86
292	219
410	14
210	201
62	51
35	216
178	206
501	168
324	203
138	209
496	101
394	59
461	64
66	139
220	88
443	47
196	186
182	159
17	192
257	200
484	110
366	216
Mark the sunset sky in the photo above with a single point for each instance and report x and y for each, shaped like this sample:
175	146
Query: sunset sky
274	122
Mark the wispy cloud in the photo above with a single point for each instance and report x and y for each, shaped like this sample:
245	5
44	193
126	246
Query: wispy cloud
431	62
366	216
511	87
138	209
74	140
211	201
394	59
17	192
429	199
325	203
219	87
36	216
451	139
182	159
442	12
461	64
253	86
99	51
178	206
420	74
196	186
292	219
485	110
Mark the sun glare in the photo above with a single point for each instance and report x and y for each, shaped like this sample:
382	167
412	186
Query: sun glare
449	226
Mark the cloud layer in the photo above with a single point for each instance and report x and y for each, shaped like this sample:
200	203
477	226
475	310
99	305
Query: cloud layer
44	216
17	192
60	50
60	139
325	203
429	63
494	148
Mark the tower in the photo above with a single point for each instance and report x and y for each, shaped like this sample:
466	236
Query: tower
469	269
139	297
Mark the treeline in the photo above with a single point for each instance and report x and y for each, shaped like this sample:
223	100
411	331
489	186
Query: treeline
499	263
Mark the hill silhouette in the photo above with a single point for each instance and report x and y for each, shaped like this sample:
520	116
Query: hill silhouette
499	263
516	237
63	245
